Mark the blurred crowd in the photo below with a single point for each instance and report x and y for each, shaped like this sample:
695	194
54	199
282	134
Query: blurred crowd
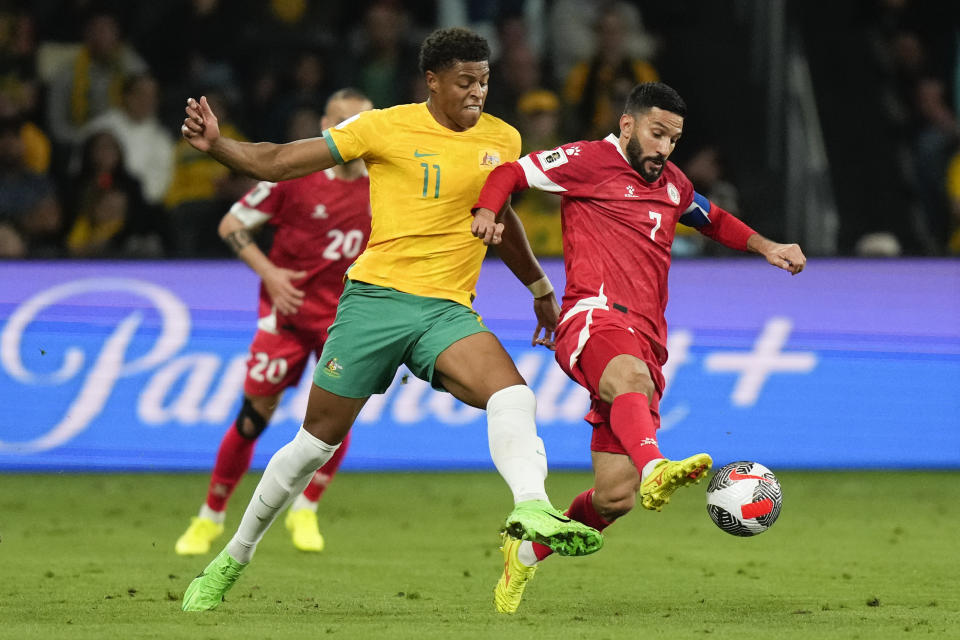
915	45
92	94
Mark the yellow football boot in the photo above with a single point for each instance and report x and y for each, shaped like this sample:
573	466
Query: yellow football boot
509	590
198	536
303	528
670	475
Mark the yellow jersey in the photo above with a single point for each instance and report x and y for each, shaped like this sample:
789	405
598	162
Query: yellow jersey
424	178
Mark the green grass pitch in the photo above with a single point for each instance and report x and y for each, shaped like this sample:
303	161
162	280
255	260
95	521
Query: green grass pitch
854	555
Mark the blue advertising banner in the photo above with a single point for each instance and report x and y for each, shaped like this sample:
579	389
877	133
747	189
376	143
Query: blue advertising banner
851	364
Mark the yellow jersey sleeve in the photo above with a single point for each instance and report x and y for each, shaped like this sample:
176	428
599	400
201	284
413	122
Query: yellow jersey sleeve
423	180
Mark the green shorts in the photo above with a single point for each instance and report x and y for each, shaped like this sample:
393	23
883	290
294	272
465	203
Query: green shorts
377	329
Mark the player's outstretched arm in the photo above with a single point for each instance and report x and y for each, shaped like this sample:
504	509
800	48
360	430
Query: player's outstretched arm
788	257
261	160
278	281
516	253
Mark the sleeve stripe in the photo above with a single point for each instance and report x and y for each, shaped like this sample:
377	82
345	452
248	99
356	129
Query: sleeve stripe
333	147
249	217
537	178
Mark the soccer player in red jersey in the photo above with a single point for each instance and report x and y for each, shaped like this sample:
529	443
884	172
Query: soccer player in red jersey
621	202
322	223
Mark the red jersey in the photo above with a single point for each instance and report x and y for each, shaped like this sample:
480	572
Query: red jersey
322	224
617	228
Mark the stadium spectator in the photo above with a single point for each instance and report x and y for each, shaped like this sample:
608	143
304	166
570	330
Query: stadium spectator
706	172
29	210
596	87
382	63
91	80
539	124
306	88
935	137
105	206
36	144
515	72
298	301
611	338
408	297
19	84
201	189
147	147
953	196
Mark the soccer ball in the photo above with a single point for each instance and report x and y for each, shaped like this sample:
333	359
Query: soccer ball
744	498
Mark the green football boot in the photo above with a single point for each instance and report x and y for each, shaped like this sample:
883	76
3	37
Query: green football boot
538	521
207	589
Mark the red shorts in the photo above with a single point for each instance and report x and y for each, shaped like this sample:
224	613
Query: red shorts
277	360
586	343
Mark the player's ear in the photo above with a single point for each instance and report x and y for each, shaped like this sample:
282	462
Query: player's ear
433	82
627	123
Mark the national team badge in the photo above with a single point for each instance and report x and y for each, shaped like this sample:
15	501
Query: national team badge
630	192
333	368
489	158
673	193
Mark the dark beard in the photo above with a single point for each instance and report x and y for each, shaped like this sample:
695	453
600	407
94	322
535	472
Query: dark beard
636	159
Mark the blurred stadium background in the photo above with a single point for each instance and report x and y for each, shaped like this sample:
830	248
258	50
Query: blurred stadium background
834	125
839	133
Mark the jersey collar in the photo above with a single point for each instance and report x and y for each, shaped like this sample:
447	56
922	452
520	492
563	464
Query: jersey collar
615	141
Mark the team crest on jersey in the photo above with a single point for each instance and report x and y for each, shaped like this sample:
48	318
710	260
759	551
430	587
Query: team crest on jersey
489	158
333	368
320	211
630	192
550	159
673	193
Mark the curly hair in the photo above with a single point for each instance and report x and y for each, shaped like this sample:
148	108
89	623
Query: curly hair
655	94
445	47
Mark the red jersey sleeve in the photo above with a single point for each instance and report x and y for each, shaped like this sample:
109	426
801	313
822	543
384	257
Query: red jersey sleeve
265	201
561	170
716	223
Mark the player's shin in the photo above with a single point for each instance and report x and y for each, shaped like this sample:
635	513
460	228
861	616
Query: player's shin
631	422
286	475
515	448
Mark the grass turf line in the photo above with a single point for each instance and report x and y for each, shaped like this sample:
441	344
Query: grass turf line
854	555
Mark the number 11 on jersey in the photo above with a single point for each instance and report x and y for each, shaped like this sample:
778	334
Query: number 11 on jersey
426	180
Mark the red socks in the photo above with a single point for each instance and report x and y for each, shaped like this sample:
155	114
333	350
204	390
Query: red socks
631	422
233	460
324	475
581	510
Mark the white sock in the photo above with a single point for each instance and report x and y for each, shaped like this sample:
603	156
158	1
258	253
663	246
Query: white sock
287	475
648	468
210	514
526	555
301	502
515	448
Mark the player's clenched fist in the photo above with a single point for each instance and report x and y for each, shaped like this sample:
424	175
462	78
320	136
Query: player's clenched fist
788	257
200	127
486	227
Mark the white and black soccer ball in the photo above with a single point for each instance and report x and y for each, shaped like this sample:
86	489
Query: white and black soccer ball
744	498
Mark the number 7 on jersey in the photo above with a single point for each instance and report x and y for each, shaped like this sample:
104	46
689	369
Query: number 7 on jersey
657	217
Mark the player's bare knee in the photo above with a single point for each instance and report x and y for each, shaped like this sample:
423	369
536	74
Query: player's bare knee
625	374
634	381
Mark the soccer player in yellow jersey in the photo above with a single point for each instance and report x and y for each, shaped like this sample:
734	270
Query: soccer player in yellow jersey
407	298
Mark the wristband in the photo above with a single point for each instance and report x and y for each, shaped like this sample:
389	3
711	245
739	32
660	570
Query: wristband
541	287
